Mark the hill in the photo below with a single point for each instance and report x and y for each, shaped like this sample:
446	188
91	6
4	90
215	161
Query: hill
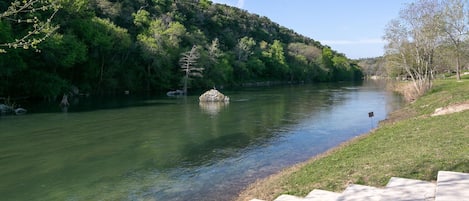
107	47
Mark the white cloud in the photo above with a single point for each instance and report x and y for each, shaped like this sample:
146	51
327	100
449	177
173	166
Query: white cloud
240	4
353	42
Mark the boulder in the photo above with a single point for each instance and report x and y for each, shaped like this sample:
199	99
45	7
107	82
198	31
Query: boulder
5	109
20	111
213	95
175	93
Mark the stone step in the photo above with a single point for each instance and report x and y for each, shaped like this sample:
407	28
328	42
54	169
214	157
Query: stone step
322	195
355	192
400	189
289	198
452	186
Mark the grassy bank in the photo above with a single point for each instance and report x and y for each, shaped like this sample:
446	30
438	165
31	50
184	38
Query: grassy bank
411	144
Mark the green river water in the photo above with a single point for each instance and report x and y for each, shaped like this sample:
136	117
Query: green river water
162	148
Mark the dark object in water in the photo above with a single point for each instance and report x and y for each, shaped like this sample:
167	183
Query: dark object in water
175	93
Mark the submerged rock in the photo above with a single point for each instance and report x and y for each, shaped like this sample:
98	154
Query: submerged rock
213	95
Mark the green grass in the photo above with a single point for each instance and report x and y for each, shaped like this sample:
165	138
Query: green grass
416	146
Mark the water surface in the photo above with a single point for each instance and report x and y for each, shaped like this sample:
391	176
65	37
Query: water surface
176	149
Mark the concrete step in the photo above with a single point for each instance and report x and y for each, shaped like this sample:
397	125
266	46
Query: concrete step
356	192
289	198
452	186
322	195
400	189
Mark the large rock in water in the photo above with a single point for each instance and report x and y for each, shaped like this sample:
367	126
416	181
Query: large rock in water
213	95
5	109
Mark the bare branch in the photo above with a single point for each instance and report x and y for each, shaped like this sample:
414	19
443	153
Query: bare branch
40	30
188	62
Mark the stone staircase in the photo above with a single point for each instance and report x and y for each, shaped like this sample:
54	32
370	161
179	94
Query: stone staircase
450	186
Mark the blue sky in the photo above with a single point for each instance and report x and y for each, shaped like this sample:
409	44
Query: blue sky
352	27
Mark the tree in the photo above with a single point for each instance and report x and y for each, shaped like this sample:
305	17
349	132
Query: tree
412	41
218	70
107	45
305	58
277	54
244	48
188	64
454	24
214	51
101	47
160	43
327	64
25	12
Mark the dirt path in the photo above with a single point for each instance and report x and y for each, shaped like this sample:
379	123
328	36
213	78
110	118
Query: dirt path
451	109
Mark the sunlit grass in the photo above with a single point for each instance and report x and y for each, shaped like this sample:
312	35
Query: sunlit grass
416	146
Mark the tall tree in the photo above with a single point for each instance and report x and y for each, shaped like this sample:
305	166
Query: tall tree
279	65
455	25
108	45
412	41
188	64
159	42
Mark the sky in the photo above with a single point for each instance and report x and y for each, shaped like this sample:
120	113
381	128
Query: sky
352	27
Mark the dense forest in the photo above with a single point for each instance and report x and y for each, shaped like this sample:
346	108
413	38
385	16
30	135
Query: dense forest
112	46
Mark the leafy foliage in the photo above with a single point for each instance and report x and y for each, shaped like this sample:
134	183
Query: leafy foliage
106	46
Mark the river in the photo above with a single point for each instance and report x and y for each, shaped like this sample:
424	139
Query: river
162	148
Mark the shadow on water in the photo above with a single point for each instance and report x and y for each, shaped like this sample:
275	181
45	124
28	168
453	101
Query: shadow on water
88	104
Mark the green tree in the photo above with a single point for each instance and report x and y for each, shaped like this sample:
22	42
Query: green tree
64	51
107	43
159	43
281	68
342	68
327	64
218	70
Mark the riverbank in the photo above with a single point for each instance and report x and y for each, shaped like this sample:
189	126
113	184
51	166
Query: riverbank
411	144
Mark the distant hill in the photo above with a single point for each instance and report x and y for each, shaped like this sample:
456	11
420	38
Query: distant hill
107	47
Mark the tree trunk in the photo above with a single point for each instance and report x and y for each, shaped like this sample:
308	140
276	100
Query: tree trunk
458	67
185	80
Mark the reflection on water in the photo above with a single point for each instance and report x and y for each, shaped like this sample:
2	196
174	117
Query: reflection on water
212	108
178	149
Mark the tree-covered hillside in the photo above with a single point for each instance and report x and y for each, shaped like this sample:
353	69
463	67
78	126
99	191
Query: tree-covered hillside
110	46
